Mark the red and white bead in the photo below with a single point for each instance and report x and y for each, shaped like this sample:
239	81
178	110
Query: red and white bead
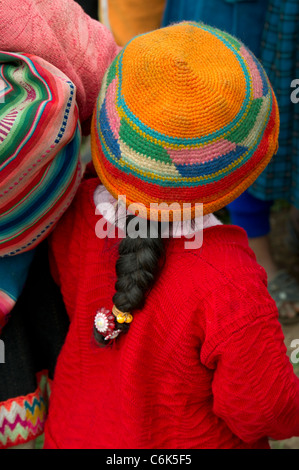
104	322
112	335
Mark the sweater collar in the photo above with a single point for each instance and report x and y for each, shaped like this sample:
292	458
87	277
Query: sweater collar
115	212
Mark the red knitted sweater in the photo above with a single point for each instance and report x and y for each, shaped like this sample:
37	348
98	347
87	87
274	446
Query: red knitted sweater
203	365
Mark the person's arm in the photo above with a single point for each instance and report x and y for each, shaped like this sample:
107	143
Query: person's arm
255	389
60	32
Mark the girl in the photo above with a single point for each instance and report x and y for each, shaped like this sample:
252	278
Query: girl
171	346
53	58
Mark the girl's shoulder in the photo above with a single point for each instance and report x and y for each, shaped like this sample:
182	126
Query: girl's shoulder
224	257
223	277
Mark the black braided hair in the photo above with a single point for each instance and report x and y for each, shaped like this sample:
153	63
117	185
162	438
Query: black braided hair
137	268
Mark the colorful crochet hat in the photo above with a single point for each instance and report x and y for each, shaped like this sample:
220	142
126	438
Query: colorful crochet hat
39	149
186	115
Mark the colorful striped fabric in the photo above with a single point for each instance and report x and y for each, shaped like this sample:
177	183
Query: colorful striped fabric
40	139
186	114
280	56
23	418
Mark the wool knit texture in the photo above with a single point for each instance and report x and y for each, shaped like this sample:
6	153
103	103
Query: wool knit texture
61	33
186	114
203	364
40	139
44	92
23	418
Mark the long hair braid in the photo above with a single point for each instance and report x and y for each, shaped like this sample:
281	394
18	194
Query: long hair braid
137	268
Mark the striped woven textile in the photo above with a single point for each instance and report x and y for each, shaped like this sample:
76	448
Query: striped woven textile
280	56
40	140
23	418
186	114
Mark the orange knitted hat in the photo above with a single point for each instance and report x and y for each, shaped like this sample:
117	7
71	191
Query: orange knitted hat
186	114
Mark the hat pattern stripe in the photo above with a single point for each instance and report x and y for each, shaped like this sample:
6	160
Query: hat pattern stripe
209	171
159	168
32	89
229	161
40	169
118	174
5	86
136	190
187	191
27	239
40	197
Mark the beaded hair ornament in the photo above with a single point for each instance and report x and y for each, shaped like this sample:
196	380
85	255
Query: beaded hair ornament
105	322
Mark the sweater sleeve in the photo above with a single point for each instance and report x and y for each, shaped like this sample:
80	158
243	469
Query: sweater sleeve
64	256
255	389
60	32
